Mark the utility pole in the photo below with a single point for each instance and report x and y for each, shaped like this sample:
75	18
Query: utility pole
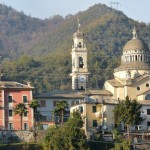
115	5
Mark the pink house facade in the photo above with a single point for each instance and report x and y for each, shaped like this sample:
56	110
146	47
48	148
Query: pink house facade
12	93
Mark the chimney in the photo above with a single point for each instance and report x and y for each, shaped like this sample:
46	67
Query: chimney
29	84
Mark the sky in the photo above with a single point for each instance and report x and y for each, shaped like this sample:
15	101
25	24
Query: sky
138	10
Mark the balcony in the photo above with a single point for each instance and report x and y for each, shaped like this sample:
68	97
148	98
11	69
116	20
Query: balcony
98	115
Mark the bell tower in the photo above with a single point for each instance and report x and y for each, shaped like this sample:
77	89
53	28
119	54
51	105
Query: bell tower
79	62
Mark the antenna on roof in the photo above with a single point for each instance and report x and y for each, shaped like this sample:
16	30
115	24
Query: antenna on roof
114	5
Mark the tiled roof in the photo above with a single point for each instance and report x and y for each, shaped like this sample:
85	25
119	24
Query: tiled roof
61	94
71	93
12	84
115	83
99	92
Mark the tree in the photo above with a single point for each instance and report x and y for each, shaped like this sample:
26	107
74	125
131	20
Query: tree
128	112
34	104
60	109
20	109
73	136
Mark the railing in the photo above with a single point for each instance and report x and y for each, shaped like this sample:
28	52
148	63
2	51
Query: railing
98	114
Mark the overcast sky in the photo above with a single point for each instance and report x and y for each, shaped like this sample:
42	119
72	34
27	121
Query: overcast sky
135	9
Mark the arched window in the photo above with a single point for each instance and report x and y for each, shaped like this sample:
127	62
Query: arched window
79	45
141	57
135	57
130	58
81	62
147	97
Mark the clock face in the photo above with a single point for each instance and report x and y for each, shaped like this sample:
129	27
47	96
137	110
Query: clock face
82	78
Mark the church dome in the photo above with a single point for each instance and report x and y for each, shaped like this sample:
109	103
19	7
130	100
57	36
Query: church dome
136	54
135	44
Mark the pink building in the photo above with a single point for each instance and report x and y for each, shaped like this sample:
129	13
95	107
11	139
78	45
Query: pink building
12	93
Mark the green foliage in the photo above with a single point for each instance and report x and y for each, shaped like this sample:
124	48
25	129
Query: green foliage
118	137
39	50
100	145
60	109
21	146
34	104
73	136
124	145
123	111
20	109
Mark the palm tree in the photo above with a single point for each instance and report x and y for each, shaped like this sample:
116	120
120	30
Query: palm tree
60	109
20	109
34	104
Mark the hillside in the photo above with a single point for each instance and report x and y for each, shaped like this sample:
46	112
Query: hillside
39	50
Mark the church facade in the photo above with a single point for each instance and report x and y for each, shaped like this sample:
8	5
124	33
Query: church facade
132	77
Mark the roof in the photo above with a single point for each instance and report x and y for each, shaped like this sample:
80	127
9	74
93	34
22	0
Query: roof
133	66
115	83
99	92
135	44
143	92
12	84
75	94
61	94
141	77
78	34
144	102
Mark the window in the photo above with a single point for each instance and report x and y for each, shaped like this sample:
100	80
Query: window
10	99
25	126
148	111
94	123
147	85
44	118
148	125
147	97
44	126
25	99
10	126
79	45
138	88
10	113
25	114
93	109
43	104
80	62
54	103
80	109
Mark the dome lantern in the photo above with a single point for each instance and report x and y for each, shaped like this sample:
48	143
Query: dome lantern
134	32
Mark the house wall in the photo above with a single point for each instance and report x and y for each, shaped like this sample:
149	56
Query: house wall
17	96
103	116
50	103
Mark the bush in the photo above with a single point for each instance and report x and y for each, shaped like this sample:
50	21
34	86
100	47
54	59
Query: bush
21	146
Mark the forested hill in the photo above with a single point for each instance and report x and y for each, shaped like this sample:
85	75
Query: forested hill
39	50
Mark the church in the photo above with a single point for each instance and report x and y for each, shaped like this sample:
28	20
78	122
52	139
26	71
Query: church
131	79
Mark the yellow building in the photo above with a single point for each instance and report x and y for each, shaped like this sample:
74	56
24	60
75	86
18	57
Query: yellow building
96	110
